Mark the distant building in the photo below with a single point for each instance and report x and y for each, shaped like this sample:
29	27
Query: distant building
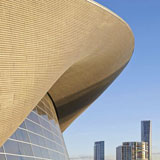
123	153
146	136
99	150
132	151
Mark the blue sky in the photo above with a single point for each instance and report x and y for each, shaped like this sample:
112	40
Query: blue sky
134	96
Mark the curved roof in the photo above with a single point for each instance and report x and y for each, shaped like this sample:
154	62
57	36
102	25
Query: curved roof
111	45
71	49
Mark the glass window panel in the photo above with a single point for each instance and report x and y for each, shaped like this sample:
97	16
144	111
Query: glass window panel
13	136
32	116
53	129
52	122
37	151
53	155
62	157
1	149
45	153
2	157
25	149
45	124
48	134
9	157
55	147
26	158
58	156
20	135
35	139
57	139
11	147
34	127
49	144
18	148
59	148
42	141
13	157
23	125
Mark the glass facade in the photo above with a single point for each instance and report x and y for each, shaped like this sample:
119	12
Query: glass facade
99	150
146	136
38	137
132	151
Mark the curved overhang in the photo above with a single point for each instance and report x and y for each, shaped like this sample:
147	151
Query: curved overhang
71	49
111	45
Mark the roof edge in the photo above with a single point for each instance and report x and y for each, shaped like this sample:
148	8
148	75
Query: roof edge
114	14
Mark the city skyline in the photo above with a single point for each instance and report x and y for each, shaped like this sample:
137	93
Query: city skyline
133	97
141	149
136	150
132	151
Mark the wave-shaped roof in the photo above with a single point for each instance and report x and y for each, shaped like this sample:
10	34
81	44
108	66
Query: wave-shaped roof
71	49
